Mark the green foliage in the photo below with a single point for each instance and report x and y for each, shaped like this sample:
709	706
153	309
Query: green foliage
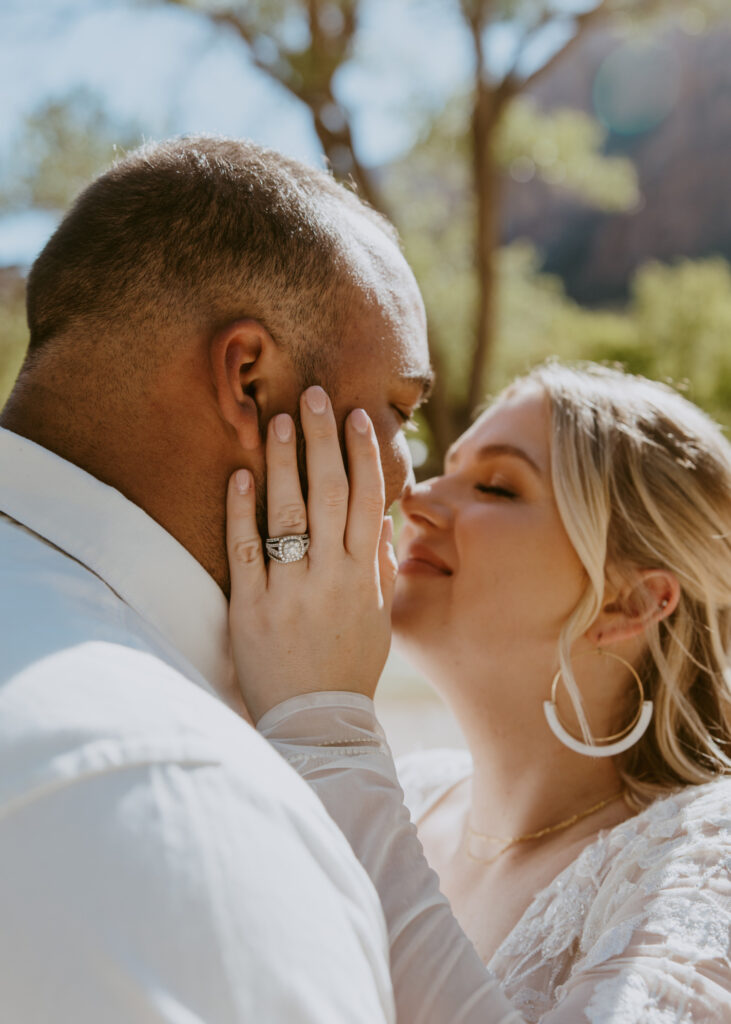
684	312
677	321
696	15
13	331
676	326
638	16
431	196
61	147
564	148
433	205
536	318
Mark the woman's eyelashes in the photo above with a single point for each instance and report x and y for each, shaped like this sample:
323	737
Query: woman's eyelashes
496	489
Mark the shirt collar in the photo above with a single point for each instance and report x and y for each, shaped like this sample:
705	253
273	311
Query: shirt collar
150	571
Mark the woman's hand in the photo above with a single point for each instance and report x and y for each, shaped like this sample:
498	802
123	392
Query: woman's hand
323	622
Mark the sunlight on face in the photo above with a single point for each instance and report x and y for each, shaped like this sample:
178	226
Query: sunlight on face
383	358
485	561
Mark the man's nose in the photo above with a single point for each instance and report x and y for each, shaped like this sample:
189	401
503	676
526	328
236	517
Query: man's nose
398	475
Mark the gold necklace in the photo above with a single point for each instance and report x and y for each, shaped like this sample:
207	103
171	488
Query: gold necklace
514	840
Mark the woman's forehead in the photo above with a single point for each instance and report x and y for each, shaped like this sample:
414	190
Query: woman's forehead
517	418
521	409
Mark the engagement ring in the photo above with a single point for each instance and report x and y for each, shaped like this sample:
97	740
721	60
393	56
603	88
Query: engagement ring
288	549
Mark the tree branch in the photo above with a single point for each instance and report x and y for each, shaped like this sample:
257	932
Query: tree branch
582	22
230	20
437	412
544	20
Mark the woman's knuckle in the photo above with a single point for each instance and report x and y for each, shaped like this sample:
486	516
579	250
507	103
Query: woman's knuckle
372	502
246	552
292	518
324	430
335	494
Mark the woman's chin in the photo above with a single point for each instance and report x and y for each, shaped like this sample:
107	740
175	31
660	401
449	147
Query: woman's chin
405	611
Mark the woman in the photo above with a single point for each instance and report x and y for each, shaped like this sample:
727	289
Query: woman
566	585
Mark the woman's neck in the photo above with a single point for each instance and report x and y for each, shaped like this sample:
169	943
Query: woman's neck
524	779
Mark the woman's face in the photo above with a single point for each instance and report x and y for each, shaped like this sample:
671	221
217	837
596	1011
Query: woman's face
486	567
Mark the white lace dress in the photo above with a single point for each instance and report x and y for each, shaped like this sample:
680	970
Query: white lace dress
657	886
637	930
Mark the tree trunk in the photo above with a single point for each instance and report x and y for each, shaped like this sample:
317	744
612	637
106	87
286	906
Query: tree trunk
438	414
487	195
342	158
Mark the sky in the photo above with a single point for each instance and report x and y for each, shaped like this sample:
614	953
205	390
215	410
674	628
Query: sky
171	71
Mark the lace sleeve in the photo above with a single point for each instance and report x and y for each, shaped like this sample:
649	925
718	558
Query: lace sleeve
655	948
335	743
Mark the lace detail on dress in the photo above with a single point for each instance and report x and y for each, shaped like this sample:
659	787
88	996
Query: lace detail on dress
626	997
655	890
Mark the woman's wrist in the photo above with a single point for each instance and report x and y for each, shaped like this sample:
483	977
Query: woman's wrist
317	727
322	699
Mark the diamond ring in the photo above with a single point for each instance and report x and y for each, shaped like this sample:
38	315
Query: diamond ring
288	549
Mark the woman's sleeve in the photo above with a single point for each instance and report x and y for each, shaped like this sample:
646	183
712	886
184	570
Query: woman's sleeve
660	954
335	743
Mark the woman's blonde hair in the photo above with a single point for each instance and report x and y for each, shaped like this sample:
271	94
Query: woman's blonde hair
642	479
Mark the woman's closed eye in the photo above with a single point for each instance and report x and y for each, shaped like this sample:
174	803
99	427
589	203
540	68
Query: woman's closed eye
497	489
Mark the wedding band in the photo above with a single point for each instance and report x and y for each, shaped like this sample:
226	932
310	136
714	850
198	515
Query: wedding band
288	549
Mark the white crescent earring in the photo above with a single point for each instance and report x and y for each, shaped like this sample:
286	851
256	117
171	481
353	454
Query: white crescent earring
605	746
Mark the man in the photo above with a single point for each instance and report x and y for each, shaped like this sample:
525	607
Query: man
158	862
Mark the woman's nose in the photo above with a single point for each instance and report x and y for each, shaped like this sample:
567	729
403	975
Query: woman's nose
422	502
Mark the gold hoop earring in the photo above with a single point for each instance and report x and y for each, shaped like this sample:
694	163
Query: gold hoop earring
604	746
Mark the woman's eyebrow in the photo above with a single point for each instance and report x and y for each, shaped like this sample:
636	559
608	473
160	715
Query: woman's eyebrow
499	449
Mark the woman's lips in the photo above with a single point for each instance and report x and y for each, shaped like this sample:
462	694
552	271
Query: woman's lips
420	560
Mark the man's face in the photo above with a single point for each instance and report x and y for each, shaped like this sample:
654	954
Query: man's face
382	364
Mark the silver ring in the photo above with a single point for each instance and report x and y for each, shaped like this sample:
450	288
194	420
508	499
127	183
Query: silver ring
288	549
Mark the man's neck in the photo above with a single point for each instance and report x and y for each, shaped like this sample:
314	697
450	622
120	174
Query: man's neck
130	453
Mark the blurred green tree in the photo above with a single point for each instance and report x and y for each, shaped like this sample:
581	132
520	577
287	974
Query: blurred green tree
445	197
686	310
13	332
432	190
61	146
676	326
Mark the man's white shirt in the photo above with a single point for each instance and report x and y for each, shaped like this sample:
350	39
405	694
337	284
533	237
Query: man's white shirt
159	862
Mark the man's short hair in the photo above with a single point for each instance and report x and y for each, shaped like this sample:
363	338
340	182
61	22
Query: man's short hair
195	233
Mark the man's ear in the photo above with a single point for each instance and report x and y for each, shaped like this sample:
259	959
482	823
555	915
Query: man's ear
238	353
652	595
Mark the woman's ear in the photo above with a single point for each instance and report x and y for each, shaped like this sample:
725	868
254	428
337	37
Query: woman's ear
236	354
651	596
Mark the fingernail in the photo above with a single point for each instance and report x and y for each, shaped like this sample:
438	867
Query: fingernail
243	481
283	426
388	529
359	419
316	398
